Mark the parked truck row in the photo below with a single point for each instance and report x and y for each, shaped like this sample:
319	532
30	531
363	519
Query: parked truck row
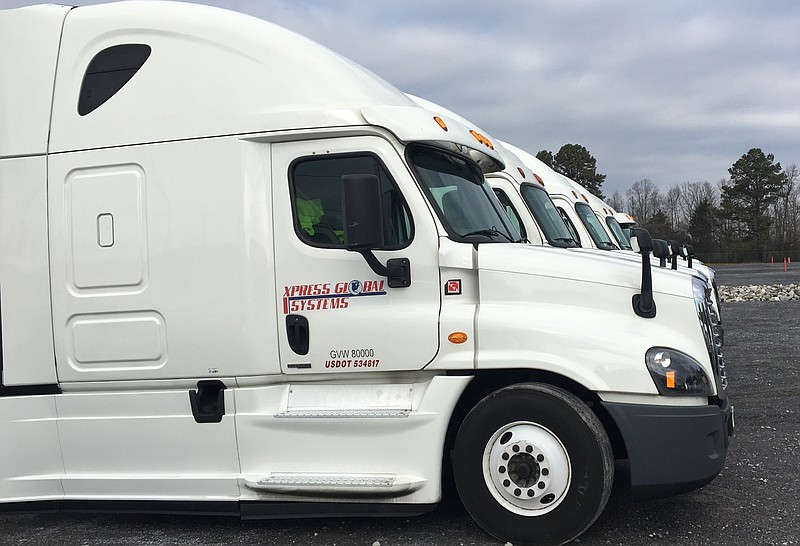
241	274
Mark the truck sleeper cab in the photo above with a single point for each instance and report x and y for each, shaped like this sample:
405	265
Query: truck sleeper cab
269	282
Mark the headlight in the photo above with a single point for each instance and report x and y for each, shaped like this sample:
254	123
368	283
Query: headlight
676	373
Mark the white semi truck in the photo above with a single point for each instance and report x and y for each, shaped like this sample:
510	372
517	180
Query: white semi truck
241	274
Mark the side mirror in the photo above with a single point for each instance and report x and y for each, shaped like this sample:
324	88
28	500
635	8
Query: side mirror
363	227
362	213
641	241
661	251
688	253
643	303
676	250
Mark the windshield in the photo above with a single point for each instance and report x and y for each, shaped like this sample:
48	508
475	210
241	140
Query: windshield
546	215
461	196
619	235
594	227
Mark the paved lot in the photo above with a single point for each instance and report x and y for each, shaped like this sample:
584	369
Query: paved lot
753	501
744	274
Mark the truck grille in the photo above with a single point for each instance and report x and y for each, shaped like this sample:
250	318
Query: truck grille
712	331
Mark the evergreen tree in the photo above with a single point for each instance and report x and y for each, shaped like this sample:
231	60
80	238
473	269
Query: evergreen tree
702	226
575	162
756	183
546	157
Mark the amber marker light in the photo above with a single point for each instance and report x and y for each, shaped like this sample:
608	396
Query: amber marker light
440	122
457	337
584	197
575	194
670	380
521	172
539	178
482	139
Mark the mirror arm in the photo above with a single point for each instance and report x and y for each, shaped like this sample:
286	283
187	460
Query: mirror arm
397	270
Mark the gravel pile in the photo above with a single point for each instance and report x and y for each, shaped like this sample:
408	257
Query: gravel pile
773	292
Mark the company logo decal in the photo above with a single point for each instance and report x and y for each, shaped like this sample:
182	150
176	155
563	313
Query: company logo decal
327	296
452	287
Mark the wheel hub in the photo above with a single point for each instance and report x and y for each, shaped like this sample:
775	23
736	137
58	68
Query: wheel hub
527	468
523	470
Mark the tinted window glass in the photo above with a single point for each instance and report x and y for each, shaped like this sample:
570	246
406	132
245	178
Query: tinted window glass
510	211
108	72
461	197
546	215
619	235
594	227
317	200
570	226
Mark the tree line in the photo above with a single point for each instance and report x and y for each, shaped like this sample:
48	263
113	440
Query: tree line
753	215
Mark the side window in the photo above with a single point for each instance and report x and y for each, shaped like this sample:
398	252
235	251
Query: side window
510	211
108	72
315	185
570	226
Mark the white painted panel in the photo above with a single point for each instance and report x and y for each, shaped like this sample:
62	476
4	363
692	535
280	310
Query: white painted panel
30	459
121	340
146	445
171	99
106	255
408	445
209	271
29	39
28	356
352	397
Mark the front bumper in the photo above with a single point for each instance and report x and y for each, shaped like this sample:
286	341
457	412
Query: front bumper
673	449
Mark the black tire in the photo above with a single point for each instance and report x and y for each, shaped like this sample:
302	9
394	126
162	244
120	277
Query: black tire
526	502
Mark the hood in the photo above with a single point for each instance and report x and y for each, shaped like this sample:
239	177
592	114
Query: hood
593	268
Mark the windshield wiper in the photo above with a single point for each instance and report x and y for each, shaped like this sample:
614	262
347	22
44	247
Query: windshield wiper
490	233
566	240
605	245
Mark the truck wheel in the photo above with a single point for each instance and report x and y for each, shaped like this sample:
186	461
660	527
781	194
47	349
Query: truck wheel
533	465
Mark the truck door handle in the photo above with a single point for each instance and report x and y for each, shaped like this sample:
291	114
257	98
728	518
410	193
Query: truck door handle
208	401
297	333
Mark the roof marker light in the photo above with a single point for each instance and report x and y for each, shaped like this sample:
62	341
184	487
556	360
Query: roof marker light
440	122
522	172
575	194
539	178
482	139
584	197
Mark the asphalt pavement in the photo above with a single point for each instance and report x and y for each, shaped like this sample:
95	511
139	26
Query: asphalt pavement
753	501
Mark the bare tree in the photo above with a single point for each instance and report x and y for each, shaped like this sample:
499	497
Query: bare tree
617	202
643	200
671	205
694	193
786	212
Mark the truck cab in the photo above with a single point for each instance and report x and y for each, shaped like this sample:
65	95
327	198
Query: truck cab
240	271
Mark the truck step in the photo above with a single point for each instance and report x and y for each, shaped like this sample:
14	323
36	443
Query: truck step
345	413
315	483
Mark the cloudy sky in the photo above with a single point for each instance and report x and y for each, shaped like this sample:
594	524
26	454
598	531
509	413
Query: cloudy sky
673	91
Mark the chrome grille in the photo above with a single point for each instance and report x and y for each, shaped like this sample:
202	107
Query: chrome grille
711	326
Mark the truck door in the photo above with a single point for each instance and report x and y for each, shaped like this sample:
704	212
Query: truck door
334	313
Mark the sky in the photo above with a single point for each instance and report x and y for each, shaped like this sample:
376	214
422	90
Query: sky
674	91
